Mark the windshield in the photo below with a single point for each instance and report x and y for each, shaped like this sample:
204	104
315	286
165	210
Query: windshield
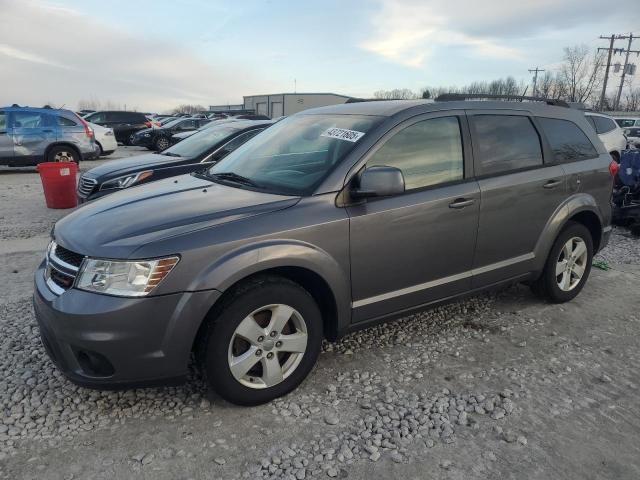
294	155
200	142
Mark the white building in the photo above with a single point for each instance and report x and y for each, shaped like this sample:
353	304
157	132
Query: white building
279	104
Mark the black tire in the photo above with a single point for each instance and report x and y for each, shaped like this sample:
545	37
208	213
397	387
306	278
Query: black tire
213	349
101	149
547	285
161	143
128	140
62	151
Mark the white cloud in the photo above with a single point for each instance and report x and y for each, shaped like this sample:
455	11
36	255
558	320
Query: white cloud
407	31
54	54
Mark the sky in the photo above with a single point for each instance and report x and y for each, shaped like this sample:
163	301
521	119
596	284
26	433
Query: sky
152	56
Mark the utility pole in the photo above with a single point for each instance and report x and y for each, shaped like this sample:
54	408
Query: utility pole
603	95
535	78
624	69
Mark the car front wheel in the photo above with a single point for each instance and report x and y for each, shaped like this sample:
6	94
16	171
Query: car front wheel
162	143
262	341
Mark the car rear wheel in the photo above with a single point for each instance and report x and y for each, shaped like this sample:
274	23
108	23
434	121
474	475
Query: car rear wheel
130	140
162	143
568	265
262	342
63	154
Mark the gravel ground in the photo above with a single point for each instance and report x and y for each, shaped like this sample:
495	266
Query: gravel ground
496	386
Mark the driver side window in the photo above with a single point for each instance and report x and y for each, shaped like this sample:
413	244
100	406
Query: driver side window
428	153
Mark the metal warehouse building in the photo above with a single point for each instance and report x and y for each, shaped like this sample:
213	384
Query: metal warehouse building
279	104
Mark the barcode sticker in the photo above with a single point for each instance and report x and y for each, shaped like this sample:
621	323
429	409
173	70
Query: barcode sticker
64	172
343	134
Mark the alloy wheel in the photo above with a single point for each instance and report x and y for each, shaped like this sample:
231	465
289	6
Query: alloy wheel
162	144
571	264
63	156
267	346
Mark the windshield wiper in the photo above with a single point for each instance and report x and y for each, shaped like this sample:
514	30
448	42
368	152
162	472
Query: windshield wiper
235	178
170	154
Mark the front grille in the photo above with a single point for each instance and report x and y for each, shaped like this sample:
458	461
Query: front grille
62	268
67	256
86	186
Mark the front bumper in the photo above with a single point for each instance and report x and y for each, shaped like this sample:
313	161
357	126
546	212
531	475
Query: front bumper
103	341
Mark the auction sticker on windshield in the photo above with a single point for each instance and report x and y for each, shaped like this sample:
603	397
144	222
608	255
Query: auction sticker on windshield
343	134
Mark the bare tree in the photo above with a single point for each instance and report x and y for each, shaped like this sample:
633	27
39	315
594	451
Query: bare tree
581	73
632	99
189	109
91	104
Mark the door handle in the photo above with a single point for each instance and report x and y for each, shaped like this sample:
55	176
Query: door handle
462	202
552	184
47	131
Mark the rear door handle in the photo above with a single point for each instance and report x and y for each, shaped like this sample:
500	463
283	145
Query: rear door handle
462	202
552	184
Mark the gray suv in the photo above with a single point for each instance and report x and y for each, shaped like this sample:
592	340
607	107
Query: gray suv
329	221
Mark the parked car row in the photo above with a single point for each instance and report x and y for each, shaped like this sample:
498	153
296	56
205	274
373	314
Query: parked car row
323	223
196	153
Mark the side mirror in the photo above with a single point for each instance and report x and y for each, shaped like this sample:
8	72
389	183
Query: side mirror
379	182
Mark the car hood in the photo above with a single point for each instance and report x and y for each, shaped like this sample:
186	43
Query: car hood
124	166
119	224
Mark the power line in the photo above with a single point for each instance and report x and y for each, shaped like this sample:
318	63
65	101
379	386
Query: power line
603	95
624	69
535	78
615	51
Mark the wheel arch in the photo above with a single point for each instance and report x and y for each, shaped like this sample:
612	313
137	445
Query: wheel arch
581	208
311	268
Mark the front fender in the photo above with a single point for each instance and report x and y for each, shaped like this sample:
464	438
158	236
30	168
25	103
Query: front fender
579	202
259	257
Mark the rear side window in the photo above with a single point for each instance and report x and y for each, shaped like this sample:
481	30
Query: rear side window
96	117
66	122
624	122
506	143
28	120
602	124
568	142
428	153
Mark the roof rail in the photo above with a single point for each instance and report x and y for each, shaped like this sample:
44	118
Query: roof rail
451	97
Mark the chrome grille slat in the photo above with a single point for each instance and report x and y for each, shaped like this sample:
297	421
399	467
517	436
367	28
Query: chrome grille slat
86	186
62	267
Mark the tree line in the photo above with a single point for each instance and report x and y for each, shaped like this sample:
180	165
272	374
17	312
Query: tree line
578	78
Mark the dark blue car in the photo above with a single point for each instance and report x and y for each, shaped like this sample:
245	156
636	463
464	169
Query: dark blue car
29	136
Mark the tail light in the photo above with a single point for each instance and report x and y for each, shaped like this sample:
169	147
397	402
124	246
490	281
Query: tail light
87	128
614	168
157	124
147	124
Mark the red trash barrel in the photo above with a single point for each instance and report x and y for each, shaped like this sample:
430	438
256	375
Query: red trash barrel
59	183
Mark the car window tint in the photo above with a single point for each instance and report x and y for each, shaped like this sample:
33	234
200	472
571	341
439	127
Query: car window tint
603	124
506	143
3	121
240	139
568	142
28	120
427	153
624	122
95	118
66	122
591	121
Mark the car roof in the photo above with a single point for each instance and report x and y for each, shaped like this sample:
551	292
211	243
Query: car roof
388	108
38	109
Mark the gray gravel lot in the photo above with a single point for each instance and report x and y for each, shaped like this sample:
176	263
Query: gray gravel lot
500	385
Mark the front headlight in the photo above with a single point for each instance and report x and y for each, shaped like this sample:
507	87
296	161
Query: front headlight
123	278
126	180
